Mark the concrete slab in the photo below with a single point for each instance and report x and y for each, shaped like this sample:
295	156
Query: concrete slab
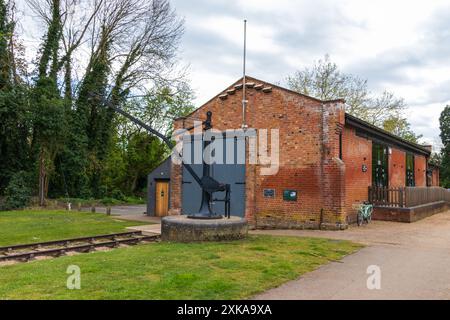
151	229
121	210
139	217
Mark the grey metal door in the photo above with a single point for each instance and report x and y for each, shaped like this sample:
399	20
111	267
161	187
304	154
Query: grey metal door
231	171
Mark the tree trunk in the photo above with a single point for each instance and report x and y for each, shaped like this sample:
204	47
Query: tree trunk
42	178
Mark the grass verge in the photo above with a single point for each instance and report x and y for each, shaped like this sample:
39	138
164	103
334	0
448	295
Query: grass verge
225	270
29	226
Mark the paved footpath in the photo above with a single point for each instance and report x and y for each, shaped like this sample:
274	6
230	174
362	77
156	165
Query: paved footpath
414	261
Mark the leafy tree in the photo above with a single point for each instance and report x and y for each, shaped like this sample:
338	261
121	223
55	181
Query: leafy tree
18	193
56	125
134	153
5	30
144	152
325	81
444	122
401	128
49	116
14	115
133	42
161	105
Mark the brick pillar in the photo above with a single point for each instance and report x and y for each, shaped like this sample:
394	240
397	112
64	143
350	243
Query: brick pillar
333	215
175	189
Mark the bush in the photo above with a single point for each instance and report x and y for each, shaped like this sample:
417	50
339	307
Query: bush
110	201
117	194
18	191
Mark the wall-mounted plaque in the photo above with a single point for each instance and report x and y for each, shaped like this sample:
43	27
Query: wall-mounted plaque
269	193
364	168
290	195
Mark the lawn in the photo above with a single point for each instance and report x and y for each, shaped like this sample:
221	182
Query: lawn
30	226
226	270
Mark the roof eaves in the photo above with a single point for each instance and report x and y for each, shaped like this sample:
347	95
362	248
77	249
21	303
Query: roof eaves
383	134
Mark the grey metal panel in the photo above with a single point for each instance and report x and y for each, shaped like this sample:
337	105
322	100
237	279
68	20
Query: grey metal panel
162	172
233	174
191	191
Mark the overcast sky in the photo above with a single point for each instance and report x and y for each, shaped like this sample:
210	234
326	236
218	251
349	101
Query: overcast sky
401	46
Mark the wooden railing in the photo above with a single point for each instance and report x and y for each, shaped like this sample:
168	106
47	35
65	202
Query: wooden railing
416	196
387	197
407	197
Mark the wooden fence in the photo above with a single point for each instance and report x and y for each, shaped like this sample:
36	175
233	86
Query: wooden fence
407	197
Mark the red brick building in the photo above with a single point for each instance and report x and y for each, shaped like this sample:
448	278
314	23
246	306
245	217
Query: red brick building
327	157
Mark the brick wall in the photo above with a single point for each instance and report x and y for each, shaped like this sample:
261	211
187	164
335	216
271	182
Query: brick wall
435	177
328	188
357	152
397	170
420	168
309	156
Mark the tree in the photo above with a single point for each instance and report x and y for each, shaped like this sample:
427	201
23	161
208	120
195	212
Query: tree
401	128
56	125
161	105
444	121
14	115
134	153
49	118
326	82
134	44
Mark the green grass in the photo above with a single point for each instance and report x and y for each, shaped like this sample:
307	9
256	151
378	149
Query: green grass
30	226
226	270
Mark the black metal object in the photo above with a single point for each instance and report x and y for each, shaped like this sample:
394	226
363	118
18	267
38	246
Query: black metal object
207	183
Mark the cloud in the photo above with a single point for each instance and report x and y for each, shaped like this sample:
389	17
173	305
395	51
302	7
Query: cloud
401	46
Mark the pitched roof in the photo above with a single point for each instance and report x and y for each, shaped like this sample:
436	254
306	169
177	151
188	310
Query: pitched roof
384	136
253	79
374	131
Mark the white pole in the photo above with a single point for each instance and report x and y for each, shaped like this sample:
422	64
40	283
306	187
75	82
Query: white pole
244	101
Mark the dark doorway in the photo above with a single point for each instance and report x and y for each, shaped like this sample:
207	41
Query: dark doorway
410	179
380	165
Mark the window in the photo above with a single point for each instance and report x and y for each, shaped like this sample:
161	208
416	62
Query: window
410	178
379	165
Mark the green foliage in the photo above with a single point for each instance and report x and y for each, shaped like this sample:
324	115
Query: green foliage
444	122
325	81
18	191
14	115
401	128
70	143
6	27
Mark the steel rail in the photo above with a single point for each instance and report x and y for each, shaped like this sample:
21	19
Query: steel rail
66	241
131	238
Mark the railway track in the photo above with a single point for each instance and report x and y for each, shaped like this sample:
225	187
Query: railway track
27	252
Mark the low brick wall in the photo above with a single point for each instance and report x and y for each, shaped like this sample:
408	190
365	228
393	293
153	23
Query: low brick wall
409	214
274	222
